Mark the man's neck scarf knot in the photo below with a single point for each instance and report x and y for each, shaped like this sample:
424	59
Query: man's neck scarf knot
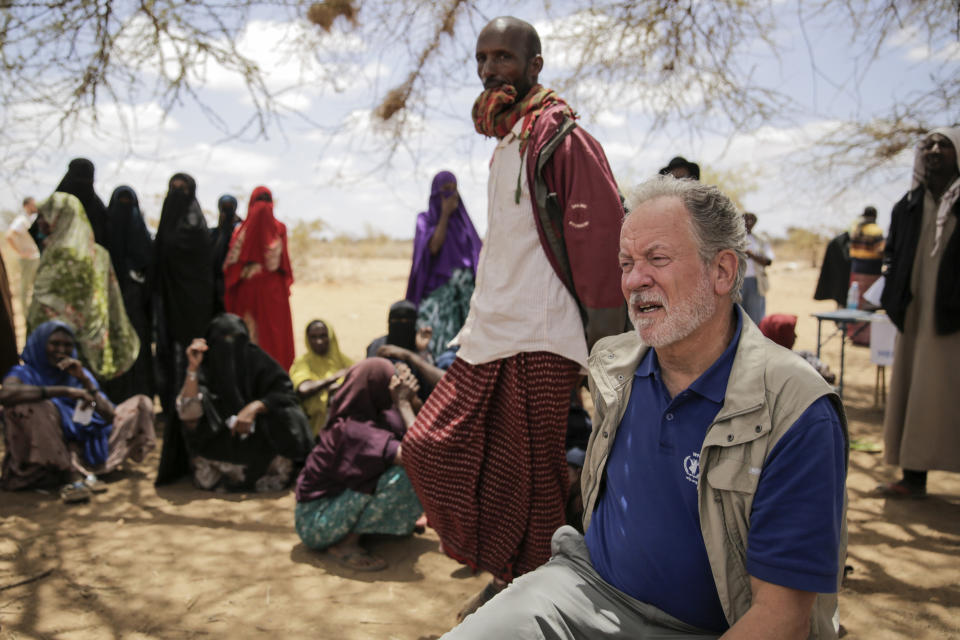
496	111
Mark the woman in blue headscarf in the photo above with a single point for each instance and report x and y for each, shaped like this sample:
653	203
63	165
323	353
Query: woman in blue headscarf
59	425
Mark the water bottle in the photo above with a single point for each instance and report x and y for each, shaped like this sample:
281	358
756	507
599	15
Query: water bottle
853	296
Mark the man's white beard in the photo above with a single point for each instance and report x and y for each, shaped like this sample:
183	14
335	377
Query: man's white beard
681	318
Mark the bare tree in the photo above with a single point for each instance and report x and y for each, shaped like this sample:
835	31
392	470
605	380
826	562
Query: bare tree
680	59
867	143
65	59
692	61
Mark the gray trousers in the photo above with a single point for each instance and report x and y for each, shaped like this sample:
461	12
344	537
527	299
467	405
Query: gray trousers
566	598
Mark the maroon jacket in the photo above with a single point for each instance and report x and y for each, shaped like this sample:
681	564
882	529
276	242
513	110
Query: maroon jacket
350	454
579	213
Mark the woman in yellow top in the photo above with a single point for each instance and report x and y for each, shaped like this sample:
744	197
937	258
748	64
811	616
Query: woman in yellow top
315	372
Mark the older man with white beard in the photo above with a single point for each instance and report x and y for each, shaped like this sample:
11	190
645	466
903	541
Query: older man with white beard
714	485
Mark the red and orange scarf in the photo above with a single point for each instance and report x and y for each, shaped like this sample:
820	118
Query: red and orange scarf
496	111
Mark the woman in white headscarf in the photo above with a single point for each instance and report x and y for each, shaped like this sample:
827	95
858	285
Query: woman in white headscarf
922	297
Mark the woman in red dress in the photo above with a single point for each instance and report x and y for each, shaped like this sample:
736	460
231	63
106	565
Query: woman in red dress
257	278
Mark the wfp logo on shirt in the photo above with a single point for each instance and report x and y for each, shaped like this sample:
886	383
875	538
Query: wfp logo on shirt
691	467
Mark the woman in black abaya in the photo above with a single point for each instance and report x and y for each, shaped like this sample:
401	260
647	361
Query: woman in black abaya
182	282
131	252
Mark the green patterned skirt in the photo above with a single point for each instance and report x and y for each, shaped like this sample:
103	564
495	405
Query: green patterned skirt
392	509
446	309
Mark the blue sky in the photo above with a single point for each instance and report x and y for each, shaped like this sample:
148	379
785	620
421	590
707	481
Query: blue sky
332	167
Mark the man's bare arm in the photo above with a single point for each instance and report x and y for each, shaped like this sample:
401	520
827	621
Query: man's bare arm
777	613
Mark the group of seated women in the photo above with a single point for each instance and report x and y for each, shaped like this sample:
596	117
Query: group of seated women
238	426
241	422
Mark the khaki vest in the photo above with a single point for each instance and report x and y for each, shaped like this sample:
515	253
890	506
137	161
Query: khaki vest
768	389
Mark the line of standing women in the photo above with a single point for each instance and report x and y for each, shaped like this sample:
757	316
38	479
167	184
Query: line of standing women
116	290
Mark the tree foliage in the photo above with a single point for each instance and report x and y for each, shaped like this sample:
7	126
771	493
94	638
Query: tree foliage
692	61
736	185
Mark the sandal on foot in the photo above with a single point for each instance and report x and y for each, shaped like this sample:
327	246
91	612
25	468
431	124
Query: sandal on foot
900	490
75	493
95	484
360	560
420	526
478	600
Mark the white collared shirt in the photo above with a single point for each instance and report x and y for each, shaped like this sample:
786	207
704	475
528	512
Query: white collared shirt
18	235
759	247
519	304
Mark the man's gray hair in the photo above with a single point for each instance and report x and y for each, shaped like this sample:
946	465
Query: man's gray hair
715	221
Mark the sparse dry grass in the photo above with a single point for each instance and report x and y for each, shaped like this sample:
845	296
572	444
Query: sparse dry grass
319	259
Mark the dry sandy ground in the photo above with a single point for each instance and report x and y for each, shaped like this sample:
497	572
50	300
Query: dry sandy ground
139	562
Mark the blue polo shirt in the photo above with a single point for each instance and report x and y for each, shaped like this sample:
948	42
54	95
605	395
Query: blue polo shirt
644	536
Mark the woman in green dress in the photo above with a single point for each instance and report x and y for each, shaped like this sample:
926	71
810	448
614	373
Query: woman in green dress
75	284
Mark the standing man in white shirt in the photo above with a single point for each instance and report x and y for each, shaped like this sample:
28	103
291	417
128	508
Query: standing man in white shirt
759	257
486	454
18	236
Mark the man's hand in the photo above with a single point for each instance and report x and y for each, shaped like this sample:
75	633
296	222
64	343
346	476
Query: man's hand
195	353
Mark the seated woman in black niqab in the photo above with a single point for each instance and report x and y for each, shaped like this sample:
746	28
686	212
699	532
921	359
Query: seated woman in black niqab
239	423
407	343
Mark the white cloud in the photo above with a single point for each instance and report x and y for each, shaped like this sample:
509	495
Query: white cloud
948	53
610	119
919	49
338	171
294	100
272	46
235	160
622	151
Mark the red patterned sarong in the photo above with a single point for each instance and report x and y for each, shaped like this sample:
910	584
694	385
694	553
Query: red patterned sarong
486	457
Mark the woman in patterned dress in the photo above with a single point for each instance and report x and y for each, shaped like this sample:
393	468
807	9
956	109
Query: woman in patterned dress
353	482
